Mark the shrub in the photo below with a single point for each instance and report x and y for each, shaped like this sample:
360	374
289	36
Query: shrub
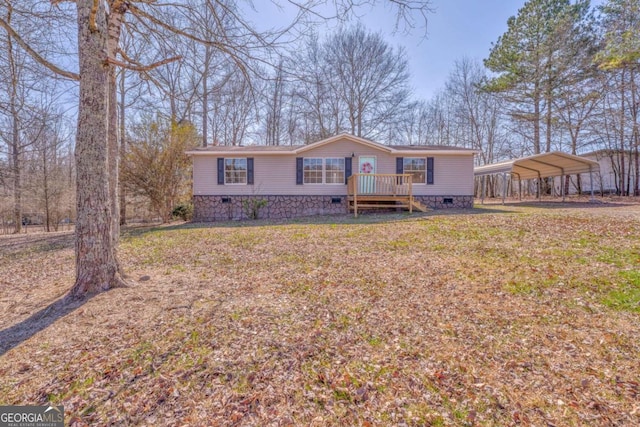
184	211
252	207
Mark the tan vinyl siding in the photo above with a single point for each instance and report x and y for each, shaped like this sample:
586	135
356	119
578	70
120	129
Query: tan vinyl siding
273	175
453	177
276	174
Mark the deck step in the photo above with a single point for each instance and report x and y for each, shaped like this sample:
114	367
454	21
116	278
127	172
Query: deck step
419	206
380	205
416	205
380	199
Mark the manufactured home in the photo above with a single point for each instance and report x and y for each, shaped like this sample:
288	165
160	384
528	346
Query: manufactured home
340	174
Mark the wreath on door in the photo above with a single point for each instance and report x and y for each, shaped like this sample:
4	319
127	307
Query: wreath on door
366	167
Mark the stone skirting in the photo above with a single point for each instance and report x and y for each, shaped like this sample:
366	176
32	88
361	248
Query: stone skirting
225	208
446	202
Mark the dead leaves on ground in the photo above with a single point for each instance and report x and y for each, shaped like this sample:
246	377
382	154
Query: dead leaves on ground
467	319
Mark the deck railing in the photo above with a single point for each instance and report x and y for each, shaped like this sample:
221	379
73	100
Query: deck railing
370	184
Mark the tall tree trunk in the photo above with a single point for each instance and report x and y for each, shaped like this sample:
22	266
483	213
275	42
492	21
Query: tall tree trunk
17	180
548	182
205	96
636	136
536	119
113	157
548	118
123	148
622	107
96	264
45	188
15	137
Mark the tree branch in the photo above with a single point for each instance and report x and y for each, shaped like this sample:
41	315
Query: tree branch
142	68
35	55
142	14
93	26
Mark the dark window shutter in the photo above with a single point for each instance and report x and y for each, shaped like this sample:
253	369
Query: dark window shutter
400	169
220	171
429	170
250	170
347	168
298	170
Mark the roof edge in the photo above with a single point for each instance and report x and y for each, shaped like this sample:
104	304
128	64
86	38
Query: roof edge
347	136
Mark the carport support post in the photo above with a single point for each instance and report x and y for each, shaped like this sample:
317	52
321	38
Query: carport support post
562	186
482	191
519	189
504	186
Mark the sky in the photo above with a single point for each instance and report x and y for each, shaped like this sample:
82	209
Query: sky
456	29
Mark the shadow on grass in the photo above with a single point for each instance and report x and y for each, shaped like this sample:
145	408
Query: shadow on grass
37	243
554	204
367	217
12	336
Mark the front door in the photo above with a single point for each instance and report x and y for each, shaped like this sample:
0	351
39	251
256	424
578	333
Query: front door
367	165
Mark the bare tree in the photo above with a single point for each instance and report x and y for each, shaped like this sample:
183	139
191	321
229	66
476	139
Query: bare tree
320	109
156	166
234	109
21	106
371	79
48	168
274	107
477	114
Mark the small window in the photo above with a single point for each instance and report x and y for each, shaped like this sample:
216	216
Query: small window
334	171
312	171
416	167
235	171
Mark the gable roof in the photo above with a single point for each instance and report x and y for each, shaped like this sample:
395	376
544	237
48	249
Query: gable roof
299	149
353	138
541	166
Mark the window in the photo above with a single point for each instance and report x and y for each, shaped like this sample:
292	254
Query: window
312	171
334	171
235	171
416	167
322	171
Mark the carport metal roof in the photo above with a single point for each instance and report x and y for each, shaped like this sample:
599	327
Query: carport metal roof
541	166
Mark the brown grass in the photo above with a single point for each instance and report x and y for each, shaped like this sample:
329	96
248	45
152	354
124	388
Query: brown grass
515	315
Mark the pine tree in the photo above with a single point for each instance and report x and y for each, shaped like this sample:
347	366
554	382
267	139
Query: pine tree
543	49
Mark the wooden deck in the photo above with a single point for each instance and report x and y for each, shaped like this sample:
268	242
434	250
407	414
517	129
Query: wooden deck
376	191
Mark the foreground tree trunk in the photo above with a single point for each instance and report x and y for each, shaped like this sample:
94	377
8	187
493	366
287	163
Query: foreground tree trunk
122	148
96	264
113	158
15	147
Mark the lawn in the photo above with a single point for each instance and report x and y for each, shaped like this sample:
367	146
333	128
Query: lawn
515	315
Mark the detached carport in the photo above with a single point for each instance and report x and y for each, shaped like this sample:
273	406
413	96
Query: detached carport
539	166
